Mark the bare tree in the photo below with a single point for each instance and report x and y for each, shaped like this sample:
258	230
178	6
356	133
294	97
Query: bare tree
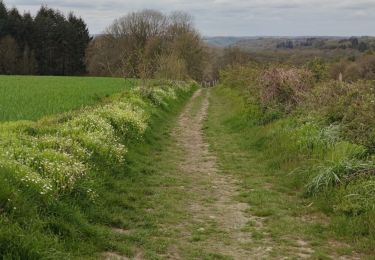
136	45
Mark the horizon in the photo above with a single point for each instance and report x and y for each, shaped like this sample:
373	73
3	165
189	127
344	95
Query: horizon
284	36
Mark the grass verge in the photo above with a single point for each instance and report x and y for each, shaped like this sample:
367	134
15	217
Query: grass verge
285	219
73	225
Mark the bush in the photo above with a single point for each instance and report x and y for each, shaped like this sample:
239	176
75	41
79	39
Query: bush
363	68
275	90
284	88
367	64
318	68
350	104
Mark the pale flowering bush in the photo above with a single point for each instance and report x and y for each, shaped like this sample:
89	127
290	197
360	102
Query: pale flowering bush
97	135
155	95
128	121
164	91
63	144
26	175
52	157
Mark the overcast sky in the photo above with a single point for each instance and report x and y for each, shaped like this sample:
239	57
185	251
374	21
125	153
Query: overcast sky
233	17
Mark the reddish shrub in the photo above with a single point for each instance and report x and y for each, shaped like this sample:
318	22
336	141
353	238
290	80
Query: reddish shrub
284	88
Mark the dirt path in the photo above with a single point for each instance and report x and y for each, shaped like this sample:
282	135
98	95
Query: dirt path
196	212
213	221
218	217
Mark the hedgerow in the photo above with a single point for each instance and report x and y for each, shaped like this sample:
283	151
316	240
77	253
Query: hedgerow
52	156
320	132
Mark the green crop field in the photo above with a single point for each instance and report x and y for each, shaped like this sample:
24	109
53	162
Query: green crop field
31	97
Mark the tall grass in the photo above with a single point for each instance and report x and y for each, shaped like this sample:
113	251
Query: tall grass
323	145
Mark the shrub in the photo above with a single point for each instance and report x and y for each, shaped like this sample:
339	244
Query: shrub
284	88
318	68
363	68
350	104
275	90
367	64
352	72
336	69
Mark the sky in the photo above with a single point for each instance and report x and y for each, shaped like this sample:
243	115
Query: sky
232	17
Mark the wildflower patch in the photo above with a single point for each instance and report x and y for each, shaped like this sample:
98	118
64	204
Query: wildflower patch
51	156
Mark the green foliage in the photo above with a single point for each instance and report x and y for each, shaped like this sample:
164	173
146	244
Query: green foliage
319	69
324	147
275	162
351	105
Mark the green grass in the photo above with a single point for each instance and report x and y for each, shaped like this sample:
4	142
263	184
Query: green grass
263	158
32	97
70	226
144	198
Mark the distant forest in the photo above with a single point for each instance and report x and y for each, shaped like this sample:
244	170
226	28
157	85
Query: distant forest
361	44
49	43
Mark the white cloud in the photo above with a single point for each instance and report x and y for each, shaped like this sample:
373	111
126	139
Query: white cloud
233	17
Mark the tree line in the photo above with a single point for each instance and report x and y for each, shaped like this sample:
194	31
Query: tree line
49	43
143	44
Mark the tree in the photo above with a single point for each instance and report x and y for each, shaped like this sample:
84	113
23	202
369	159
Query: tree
362	47
188	47
3	20
14	21
77	39
139	42
50	43
27	64
138	37
171	67
26	31
318	68
60	43
8	55
234	56
354	42
102	57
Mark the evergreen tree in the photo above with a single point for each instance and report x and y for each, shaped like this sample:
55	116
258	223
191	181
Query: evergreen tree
14	22
3	20
50	43
78	38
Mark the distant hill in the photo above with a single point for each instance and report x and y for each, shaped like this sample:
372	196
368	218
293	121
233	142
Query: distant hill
304	42
223	41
